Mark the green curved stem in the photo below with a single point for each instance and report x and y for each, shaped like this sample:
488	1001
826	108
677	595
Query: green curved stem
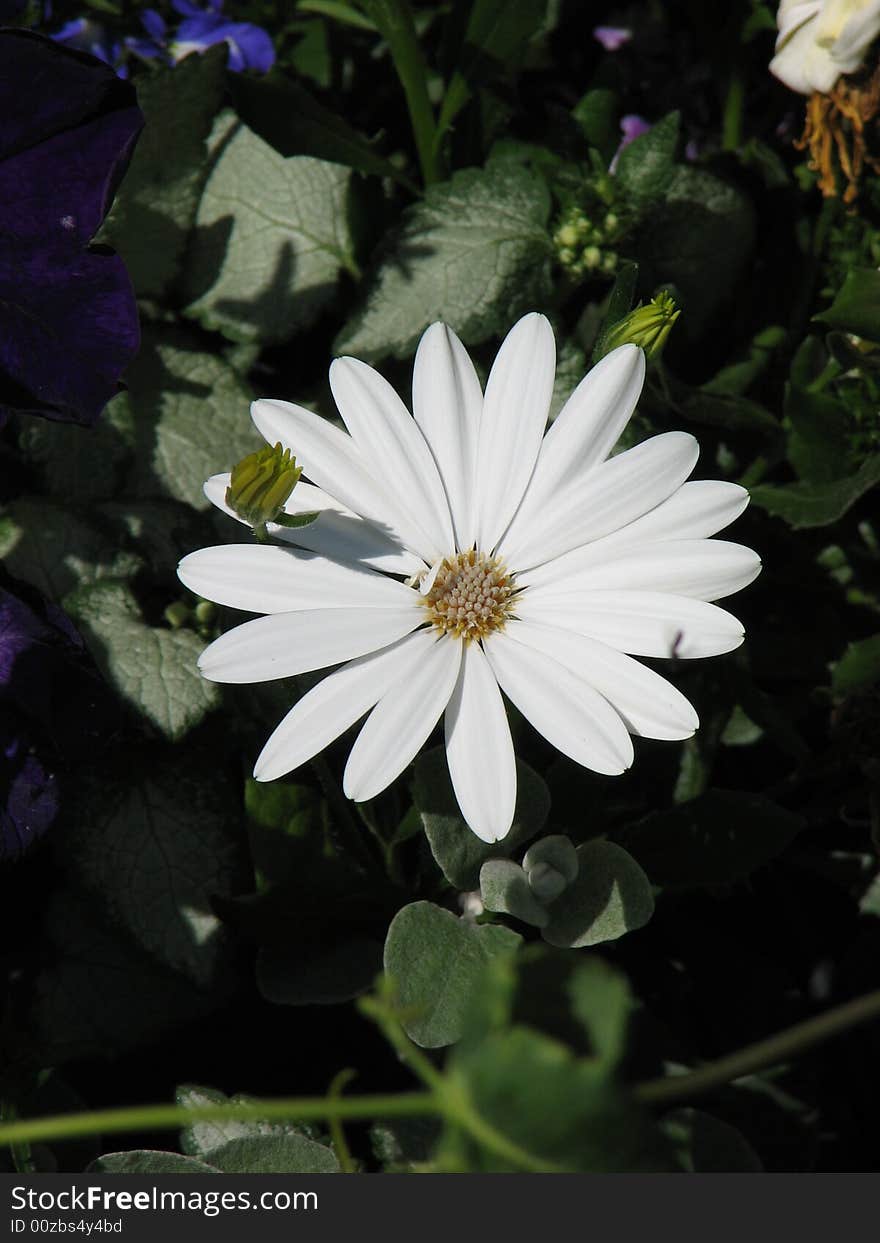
770	1052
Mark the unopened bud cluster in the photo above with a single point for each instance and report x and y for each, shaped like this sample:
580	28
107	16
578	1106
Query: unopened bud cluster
645	326
586	242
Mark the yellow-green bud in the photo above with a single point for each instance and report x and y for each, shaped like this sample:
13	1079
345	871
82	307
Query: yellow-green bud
261	484
568	235
611	222
647	326
592	256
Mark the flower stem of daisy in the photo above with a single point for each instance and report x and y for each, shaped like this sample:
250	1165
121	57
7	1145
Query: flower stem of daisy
731	125
770	1052
395	22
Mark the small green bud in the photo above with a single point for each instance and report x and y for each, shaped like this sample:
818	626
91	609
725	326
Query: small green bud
177	615
206	612
567	256
261	484
647	326
611	222
609	263
592	256
568	235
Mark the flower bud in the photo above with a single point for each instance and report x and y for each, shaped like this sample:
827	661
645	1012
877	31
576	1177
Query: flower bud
260	486
647	326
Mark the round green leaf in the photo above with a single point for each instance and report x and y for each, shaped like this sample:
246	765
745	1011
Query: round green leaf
435	960
504	887
611	896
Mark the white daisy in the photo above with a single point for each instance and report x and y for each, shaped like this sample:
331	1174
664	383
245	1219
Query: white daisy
463	553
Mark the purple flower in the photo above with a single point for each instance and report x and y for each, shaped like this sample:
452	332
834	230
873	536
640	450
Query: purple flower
54	711
87	35
68	318
250	47
631	127
612	38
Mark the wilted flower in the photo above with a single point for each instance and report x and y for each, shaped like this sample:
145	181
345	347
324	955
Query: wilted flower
822	51
461	553
819	40
68	319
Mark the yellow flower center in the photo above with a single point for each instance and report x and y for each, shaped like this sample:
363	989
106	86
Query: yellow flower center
471	596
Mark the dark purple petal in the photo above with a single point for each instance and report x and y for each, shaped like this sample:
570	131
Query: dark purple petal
68	320
256	48
31	799
89	36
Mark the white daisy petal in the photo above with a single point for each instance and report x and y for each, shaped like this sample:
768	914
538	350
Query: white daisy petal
614	494
706	569
337	532
283	644
401	721
330	458
587	428
643	623
340	699
447	405
697	510
569	713
479	749
515	410
650	705
396	451
267	579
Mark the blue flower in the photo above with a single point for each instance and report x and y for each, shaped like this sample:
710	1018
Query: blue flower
68	318
87	35
250	47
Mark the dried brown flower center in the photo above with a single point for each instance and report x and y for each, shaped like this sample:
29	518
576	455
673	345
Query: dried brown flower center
471	596
841	132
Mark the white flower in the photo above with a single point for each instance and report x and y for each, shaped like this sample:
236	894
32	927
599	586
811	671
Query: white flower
462	553
819	40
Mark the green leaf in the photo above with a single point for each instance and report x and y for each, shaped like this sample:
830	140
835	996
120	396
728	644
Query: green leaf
274	1154
601	1001
156	204
719	837
504	888
597	115
55	549
318	926
495	40
706	1145
474	253
456	848
647	165
620	302
610	896
155	851
803	505
698	238
154	670
81	463
98	995
272	237
818	447
190	412
149	1161
201	1139
858	667
435	960
284	114
161	530
856	305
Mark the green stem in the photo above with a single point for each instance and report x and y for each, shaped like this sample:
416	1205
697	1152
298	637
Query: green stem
731	125
770	1052
170	1117
337	1131
394	19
